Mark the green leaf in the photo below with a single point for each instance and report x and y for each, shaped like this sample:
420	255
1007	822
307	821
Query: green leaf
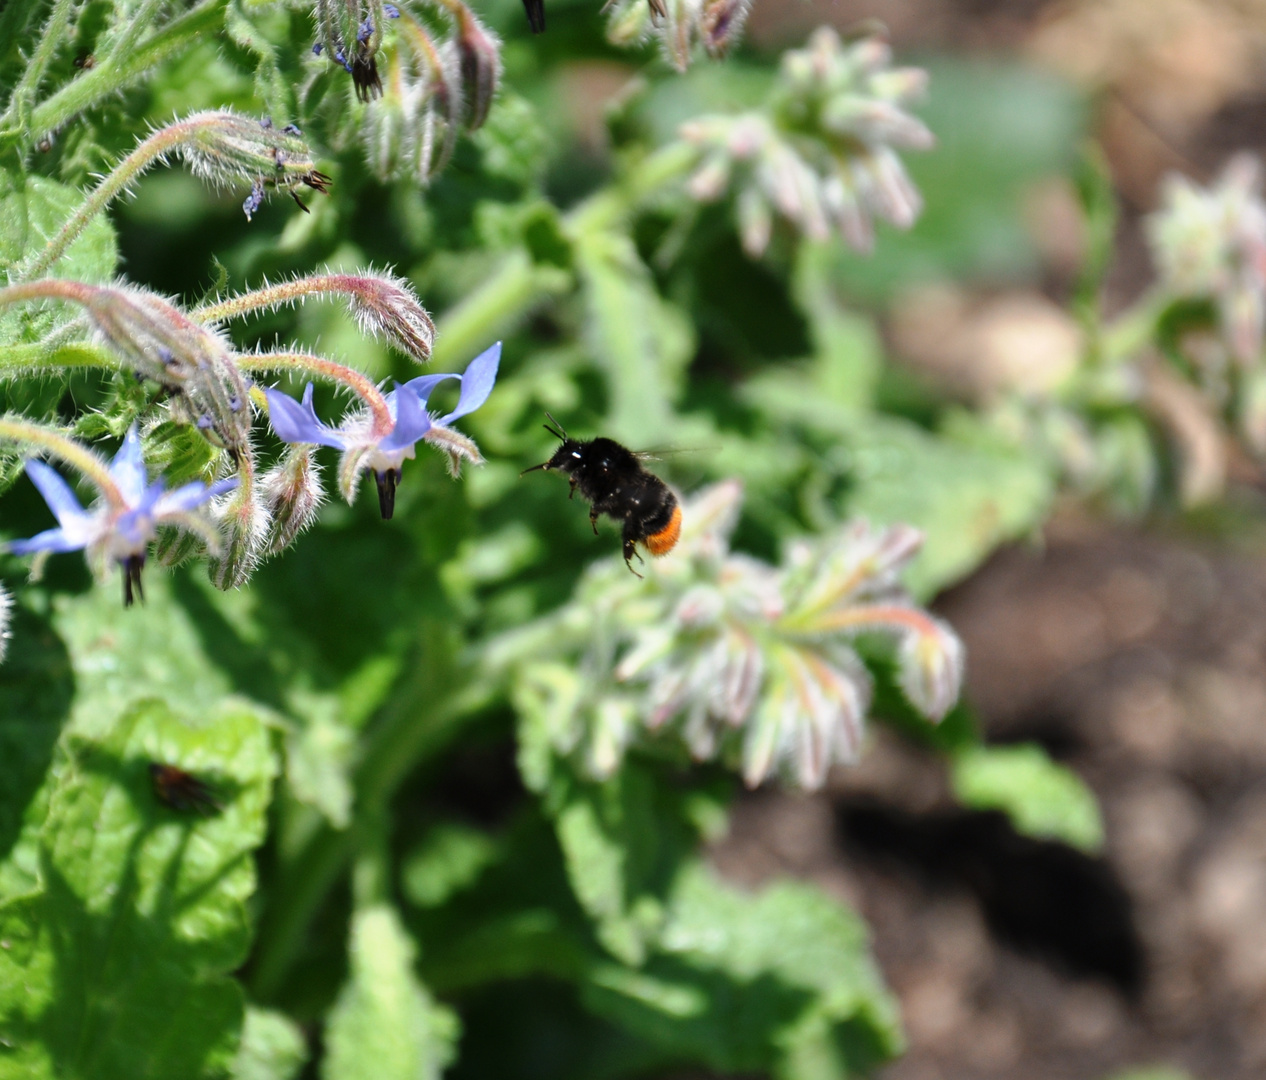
642	342
1042	798
778	981
966	498
450	860
623	841
272	1048
119	967
385	1026
31	215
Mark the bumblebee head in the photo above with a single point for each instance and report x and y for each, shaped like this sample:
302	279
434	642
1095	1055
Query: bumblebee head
567	454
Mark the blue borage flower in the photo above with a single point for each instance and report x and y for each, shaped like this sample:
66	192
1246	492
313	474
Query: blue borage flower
383	453
120	533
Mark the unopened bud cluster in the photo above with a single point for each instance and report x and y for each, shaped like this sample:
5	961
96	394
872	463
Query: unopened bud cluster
739	660
822	154
435	83
680	26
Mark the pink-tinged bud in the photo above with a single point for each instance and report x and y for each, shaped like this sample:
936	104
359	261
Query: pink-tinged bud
292	493
721	24
158	341
711	179
479	50
755	221
387	306
6	608
931	664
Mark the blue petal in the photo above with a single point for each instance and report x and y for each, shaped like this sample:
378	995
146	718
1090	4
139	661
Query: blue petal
192	495
296	423
477	382
424	384
61	500
412	421
128	468
49	540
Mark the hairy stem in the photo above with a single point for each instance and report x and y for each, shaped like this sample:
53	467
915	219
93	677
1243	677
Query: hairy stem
108	78
74	454
356	381
51	37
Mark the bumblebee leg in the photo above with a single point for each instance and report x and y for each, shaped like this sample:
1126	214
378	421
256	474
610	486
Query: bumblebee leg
629	552
593	520
571	490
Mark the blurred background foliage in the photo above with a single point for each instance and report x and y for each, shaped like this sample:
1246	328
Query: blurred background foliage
399	881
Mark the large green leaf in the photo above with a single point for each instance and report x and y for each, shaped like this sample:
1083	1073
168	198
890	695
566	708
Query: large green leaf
1041	797
385	1026
119	966
779	981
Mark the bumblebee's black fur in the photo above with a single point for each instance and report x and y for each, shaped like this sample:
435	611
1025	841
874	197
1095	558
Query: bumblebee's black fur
612	479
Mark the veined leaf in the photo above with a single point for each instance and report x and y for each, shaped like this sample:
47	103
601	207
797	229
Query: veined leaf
119	966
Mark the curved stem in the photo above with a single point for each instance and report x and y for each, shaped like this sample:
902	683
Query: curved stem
51	36
66	449
162	142
357	381
29	359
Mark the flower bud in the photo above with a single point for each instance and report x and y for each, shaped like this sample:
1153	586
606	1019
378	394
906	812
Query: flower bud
721	24
224	148
243	521
479	52
930	660
350	33
292	494
6	607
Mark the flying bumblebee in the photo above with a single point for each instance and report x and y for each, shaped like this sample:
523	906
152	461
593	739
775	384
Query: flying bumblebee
611	477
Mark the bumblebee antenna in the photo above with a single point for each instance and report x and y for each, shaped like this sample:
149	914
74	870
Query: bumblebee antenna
557	429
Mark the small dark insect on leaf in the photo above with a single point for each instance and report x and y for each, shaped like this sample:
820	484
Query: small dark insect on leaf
182	791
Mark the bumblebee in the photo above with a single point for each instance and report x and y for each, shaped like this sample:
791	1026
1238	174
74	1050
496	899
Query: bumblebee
611	477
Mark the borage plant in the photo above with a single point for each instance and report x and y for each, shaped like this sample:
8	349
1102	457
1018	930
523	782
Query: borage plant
262	818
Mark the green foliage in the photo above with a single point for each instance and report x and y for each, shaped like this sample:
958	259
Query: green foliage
272	1047
384	1024
118	965
1042	798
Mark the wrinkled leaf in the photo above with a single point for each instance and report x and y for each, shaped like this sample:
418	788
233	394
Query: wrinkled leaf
119	967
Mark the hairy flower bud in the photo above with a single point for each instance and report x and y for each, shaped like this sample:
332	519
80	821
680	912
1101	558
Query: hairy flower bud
736	658
243	522
479	52
721	24
292	494
1210	243
224	149
6	607
350	34
160	342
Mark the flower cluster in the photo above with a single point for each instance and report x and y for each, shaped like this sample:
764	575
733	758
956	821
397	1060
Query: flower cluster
823	152
678	25
433	89
1210	244
738	659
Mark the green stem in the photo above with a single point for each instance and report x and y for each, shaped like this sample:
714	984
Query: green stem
66	449
20	360
1132	330
109	78
162	142
356	381
52	35
486	314
131	31
413	728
